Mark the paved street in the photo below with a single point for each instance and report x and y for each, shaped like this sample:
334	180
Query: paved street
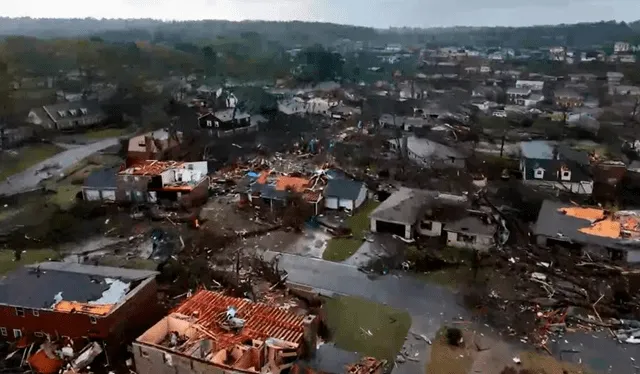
430	306
29	179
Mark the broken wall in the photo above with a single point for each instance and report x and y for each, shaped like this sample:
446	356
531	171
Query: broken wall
153	360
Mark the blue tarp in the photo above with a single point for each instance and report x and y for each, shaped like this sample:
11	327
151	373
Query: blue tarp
253	174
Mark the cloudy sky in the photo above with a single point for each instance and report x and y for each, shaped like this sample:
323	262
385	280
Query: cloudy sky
376	13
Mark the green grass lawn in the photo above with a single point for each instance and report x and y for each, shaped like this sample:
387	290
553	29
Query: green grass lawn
121	262
347	317
31	256
340	249
105	133
26	157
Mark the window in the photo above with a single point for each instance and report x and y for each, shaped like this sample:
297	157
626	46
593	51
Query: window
144	353
38	334
566	175
35	313
17	333
62	113
73	112
465	238
538	173
426	225
3	331
83	111
93	320
209	123
20	312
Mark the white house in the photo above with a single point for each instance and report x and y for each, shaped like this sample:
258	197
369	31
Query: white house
100	185
344	194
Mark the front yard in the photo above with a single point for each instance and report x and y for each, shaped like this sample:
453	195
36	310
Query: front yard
362	326
8	263
340	249
25	158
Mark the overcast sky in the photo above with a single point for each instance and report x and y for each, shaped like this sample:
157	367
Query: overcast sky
376	13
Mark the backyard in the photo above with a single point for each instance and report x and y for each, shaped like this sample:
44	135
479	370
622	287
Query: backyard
366	327
340	249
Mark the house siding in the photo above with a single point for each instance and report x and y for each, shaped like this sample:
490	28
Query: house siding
152	360
436	228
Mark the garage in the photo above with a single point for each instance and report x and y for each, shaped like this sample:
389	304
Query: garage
100	185
390	228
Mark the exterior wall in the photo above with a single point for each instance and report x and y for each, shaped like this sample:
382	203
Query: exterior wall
373	225
73	122
436	228
152	360
135	311
580	188
361	197
480	242
198	196
331	203
633	256
91	194
132	188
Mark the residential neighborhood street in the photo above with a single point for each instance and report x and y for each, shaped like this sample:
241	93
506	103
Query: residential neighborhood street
29	178
430	306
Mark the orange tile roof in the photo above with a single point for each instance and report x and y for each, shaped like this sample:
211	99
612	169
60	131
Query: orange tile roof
607	229
591	214
262	321
74	307
151	167
295	183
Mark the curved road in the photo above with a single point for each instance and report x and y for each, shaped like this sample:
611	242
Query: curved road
29	178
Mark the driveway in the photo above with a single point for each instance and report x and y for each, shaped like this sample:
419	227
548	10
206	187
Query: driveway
29	179
430	306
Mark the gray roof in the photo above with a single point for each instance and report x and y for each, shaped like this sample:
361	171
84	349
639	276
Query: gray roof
103	178
554	224
40	286
343	188
403	206
428	149
538	149
92	108
227	115
471	225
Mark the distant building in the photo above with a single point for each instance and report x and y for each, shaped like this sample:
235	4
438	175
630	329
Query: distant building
621	47
568	98
546	164
532	85
68	116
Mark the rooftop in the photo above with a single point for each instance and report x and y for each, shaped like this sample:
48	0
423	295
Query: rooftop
588	225
228	114
103	178
344	188
152	167
406	205
70	287
229	332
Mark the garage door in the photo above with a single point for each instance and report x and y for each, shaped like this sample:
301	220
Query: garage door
390	228
92	195
109	195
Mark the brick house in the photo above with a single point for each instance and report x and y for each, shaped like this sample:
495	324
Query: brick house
155	145
184	183
74	300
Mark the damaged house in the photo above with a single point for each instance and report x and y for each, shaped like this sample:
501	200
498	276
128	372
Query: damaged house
213	333
428	153
184	183
160	145
274	190
73	300
615	235
226	122
545	164
408	212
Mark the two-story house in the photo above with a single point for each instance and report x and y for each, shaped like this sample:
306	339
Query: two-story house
545	164
225	122
68	116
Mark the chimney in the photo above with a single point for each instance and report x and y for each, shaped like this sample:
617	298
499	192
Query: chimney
310	324
148	143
